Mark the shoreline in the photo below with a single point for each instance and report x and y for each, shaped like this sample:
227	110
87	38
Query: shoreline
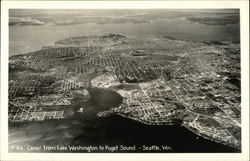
171	124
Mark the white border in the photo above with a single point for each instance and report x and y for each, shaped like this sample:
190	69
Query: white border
244	13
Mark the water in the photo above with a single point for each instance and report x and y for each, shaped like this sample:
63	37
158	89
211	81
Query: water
86	129
30	38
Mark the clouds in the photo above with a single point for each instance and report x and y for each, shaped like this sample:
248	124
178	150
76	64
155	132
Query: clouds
23	21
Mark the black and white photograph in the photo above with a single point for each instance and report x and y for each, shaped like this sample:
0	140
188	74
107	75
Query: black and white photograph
159	80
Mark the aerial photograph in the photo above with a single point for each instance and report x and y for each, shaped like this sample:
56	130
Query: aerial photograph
124	81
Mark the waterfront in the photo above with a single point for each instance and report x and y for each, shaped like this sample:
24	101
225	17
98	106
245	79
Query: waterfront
89	130
25	39
163	76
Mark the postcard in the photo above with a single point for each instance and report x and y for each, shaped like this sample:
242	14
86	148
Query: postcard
118	80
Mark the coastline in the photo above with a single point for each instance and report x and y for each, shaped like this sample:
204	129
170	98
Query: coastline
168	124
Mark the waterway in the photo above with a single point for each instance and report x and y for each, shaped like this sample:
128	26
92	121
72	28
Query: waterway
25	39
86	129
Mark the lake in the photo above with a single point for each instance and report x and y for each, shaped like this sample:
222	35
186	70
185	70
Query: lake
86	129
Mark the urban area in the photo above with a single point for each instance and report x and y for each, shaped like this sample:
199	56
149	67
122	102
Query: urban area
162	80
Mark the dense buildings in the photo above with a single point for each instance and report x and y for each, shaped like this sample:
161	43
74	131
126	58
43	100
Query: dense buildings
163	81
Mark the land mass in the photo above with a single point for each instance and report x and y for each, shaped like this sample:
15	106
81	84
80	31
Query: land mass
163	81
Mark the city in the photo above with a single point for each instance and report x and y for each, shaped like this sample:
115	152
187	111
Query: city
163	81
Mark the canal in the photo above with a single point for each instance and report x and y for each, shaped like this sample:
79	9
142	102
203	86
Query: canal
86	129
